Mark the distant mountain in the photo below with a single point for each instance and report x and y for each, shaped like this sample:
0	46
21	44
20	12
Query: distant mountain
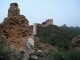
75	29
56	36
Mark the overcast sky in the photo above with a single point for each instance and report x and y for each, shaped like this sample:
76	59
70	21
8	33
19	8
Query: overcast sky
37	11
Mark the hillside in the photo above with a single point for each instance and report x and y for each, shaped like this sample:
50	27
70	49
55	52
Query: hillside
75	29
56	36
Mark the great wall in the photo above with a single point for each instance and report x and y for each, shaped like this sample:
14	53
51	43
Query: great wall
43	24
18	36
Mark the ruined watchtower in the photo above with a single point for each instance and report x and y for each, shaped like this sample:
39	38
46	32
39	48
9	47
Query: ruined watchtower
15	29
49	22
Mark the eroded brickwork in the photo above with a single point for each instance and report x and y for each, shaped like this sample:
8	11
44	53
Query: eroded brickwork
15	29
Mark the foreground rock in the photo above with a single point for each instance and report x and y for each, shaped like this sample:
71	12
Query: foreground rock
15	30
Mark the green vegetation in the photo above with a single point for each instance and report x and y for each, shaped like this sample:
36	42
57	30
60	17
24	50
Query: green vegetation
61	38
56	36
4	51
69	55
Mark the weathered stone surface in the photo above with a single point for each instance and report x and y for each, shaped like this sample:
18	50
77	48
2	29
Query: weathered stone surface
76	42
33	57
15	29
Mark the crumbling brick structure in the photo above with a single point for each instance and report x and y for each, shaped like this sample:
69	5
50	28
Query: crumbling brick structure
15	29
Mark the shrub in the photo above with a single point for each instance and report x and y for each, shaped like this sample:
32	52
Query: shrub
69	55
55	36
56	56
4	49
72	55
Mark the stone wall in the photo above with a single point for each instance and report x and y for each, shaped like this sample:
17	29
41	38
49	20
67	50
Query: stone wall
34	28
44	24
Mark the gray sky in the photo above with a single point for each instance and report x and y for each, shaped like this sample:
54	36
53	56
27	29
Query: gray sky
37	11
